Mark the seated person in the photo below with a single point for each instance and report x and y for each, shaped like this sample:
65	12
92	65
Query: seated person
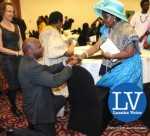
84	35
128	67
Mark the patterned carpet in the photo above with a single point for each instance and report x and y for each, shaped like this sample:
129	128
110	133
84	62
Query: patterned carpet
7	119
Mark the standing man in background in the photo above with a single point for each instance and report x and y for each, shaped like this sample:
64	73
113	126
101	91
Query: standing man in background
141	22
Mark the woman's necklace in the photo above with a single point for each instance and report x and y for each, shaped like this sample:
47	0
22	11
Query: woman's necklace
143	19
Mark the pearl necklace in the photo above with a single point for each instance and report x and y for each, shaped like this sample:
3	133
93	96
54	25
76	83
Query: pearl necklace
143	20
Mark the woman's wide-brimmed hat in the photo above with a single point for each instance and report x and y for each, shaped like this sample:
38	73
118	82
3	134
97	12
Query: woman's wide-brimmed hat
113	7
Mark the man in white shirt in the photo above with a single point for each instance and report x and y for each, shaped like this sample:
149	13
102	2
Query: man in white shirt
141	21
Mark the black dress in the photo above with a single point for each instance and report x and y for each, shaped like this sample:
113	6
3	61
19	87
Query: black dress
10	63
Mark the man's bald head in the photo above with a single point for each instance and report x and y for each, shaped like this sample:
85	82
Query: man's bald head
30	43
32	47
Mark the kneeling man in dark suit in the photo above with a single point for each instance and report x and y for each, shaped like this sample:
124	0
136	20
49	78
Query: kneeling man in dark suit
40	105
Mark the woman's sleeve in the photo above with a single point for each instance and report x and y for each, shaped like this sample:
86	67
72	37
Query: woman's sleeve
132	39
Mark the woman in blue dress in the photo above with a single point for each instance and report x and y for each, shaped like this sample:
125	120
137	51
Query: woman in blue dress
128	67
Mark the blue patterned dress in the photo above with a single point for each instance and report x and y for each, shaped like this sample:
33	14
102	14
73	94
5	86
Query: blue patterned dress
130	69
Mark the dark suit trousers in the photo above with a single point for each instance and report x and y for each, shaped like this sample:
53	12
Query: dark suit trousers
44	129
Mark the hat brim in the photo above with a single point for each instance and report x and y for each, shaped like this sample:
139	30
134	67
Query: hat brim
97	12
112	12
96	8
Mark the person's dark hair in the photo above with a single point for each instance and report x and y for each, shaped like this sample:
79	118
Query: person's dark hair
3	7
71	20
85	27
55	17
143	1
40	20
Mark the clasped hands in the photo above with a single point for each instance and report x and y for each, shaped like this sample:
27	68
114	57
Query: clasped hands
74	60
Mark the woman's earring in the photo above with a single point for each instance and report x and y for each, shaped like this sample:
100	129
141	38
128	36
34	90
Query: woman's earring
114	19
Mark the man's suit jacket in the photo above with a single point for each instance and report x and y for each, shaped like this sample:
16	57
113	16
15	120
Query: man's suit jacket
36	81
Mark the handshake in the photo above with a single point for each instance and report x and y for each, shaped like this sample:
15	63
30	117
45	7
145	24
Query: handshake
73	60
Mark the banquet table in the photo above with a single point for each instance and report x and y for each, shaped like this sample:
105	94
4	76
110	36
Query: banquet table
93	65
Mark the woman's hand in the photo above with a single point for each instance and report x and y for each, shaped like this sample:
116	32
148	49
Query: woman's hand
107	55
19	53
70	50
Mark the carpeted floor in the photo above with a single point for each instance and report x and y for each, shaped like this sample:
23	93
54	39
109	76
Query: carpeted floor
7	119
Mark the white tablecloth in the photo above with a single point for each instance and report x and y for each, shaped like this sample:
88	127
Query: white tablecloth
93	65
